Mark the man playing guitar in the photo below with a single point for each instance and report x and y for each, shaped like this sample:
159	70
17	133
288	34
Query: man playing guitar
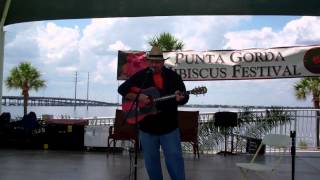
159	128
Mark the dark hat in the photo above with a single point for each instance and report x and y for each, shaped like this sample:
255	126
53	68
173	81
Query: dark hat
156	54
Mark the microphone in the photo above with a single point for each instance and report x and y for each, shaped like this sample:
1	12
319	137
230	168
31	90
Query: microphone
150	70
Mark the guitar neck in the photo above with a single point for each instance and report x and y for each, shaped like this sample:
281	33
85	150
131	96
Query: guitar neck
168	97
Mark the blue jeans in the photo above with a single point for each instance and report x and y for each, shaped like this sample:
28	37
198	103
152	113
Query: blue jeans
171	147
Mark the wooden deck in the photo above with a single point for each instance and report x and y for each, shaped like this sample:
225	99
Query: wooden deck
92	165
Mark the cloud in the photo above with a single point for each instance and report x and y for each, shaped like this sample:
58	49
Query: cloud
58	44
20	42
204	32
302	31
95	36
66	70
105	72
118	45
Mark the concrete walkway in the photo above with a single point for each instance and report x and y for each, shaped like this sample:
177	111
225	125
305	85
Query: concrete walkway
77	165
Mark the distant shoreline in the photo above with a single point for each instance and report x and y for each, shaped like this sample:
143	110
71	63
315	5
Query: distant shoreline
243	106
194	106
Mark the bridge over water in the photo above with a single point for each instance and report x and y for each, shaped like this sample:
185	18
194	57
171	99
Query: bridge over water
51	101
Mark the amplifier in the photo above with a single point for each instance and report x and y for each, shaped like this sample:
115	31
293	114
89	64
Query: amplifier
226	119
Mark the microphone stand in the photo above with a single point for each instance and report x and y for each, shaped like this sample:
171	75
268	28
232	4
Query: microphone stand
136	103
136	145
293	152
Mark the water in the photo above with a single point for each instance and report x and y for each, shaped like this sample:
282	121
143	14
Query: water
305	133
82	111
58	111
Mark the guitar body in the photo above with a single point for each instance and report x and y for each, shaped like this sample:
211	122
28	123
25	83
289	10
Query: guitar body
129	107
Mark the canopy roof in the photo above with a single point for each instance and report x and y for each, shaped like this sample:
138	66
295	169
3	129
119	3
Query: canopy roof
36	10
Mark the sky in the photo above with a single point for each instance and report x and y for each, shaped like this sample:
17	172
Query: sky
61	48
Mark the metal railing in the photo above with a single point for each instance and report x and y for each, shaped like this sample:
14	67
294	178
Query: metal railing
100	121
211	138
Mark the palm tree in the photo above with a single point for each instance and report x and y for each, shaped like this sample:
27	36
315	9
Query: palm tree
256	125
25	77
166	42
310	86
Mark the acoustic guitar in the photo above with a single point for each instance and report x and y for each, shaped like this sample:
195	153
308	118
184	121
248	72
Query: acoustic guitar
129	107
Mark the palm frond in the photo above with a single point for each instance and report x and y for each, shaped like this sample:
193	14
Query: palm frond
166	42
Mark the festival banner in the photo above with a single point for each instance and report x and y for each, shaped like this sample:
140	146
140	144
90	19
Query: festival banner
282	62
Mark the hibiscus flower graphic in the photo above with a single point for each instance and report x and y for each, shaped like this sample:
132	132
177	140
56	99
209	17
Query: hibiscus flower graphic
311	60
135	62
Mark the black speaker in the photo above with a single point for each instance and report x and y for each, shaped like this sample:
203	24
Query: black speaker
226	119
5	118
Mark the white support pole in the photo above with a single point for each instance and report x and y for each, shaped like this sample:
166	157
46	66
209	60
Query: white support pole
3	19
1	63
